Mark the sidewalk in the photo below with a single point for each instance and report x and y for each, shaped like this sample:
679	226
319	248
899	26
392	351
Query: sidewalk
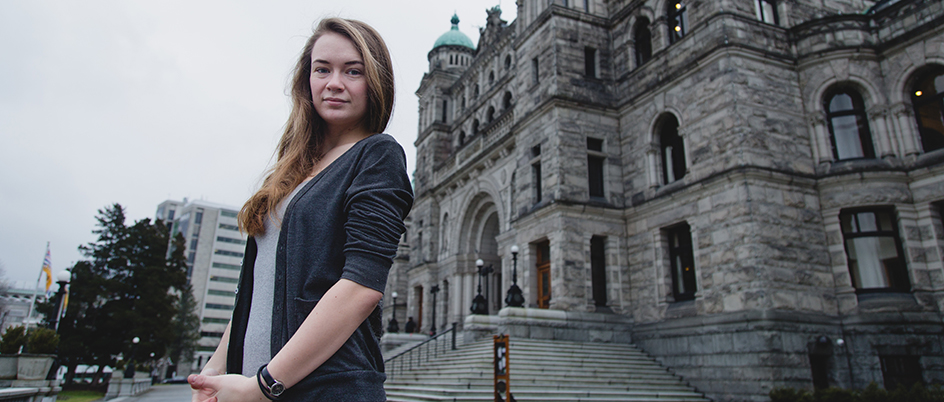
160	393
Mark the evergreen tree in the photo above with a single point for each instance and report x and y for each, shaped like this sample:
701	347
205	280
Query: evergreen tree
129	286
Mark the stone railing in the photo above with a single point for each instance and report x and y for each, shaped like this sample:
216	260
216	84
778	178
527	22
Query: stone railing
119	387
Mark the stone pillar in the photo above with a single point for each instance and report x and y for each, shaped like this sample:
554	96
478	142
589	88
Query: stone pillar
653	167
905	130
880	132
822	140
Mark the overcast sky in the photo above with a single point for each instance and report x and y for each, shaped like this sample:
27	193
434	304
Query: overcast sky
137	102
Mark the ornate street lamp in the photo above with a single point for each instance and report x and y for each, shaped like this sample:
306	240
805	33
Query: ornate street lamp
514	298
62	278
394	326
433	290
480	303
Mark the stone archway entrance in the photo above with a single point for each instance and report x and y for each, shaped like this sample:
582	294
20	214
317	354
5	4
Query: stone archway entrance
480	227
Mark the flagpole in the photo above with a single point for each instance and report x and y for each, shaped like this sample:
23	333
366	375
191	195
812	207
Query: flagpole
33	298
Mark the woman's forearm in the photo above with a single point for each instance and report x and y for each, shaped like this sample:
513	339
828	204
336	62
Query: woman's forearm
336	316
218	360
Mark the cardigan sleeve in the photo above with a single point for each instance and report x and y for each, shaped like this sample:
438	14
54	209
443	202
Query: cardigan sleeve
377	201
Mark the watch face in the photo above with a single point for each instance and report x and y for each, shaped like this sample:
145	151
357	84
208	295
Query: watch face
277	389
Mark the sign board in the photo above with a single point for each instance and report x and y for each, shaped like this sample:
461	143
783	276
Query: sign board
502	376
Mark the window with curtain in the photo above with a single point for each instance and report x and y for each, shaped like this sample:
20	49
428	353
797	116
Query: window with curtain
927	96
873	249
672	150
681	262
848	125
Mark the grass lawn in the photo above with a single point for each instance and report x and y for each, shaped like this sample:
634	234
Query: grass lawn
80	396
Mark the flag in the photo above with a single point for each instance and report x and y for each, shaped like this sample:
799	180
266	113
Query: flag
47	268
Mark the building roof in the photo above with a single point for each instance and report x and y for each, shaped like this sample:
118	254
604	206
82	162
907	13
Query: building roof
453	37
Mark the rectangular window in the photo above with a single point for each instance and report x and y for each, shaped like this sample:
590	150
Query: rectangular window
198	218
228	253
590	62
214	292
224	279
219	306
874	250
227	213
534	70
682	262
536	181
230	240
598	269
595	163
229	227
208	320
901	371
444	109
206	334
233	267
767	11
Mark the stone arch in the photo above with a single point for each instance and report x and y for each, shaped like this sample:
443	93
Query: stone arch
870	95
475	220
901	91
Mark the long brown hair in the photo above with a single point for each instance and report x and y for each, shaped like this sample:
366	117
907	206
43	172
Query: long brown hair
302	142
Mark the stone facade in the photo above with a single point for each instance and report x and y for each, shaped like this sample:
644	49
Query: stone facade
565	131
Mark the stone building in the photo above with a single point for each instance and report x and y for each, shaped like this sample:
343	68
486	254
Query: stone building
750	190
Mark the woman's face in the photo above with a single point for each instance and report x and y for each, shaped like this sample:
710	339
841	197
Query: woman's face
338	83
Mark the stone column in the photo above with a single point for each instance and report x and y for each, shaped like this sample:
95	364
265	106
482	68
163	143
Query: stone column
653	167
905	130
821	145
880	130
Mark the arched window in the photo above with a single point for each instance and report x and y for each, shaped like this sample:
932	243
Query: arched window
848	125
642	39
507	61
490	115
506	101
475	93
672	150
475	126
462	137
491	77
927	96
678	20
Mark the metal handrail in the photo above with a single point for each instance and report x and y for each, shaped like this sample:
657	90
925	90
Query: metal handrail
433	347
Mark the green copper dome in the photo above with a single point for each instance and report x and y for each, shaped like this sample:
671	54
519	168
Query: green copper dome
453	37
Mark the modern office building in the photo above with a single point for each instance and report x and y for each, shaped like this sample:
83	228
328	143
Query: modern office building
751	191
214	253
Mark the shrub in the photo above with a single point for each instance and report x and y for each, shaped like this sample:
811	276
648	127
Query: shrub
12	340
790	395
872	393
43	340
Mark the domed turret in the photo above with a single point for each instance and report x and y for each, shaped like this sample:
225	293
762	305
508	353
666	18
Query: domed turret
453	37
453	50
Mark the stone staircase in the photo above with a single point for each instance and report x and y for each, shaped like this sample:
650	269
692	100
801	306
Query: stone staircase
541	370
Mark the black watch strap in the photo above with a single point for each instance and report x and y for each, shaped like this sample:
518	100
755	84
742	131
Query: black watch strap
270	387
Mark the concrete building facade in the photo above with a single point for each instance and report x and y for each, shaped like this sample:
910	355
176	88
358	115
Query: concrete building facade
756	186
214	251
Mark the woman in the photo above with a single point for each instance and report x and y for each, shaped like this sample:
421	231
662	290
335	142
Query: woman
323	230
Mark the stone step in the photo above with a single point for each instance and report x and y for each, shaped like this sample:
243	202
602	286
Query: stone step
540	371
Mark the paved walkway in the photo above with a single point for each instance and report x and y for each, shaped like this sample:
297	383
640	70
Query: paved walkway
161	393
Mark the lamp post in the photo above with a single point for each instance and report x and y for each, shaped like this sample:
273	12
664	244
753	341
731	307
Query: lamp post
62	278
514	298
394	326
433	290
480	303
129	370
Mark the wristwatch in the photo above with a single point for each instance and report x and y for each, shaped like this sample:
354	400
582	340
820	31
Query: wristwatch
271	387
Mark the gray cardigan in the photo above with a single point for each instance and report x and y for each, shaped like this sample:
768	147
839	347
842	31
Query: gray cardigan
343	224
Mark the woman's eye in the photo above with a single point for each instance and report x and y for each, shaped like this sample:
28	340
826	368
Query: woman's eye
355	72
320	70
